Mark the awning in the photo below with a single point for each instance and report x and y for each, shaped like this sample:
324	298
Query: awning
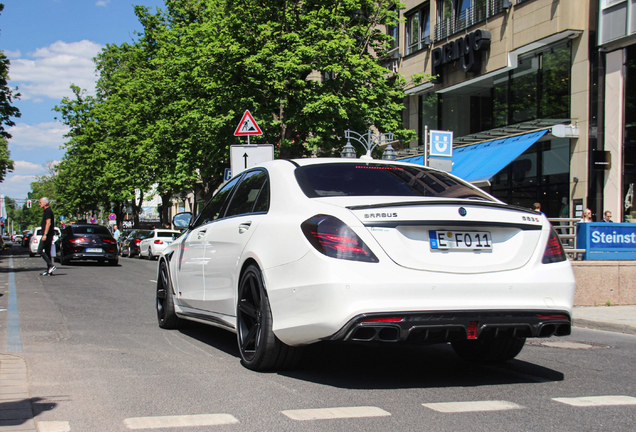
479	162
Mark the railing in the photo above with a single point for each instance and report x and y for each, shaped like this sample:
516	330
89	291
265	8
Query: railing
566	229
468	17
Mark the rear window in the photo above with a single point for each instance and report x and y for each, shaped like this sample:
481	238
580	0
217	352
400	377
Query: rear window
90	230
172	235
362	179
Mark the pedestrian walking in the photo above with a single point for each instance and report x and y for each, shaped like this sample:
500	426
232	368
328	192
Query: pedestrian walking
48	232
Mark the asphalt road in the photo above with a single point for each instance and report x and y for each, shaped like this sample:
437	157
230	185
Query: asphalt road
98	362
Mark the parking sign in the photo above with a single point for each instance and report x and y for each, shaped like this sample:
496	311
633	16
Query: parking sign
441	143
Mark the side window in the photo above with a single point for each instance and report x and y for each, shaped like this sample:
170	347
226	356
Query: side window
151	235
214	209
262	202
247	193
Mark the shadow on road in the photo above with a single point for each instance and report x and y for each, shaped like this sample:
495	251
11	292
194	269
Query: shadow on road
18	412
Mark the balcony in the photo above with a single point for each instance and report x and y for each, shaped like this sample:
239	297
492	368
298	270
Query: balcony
481	11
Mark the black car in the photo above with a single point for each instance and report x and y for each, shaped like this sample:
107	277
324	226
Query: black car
86	242
25	239
130	245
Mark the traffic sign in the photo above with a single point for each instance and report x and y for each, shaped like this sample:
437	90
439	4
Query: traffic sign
247	126
61	218
227	174
112	216
93	220
62	226
441	143
243	157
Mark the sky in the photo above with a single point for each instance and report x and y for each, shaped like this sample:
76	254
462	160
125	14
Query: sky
51	44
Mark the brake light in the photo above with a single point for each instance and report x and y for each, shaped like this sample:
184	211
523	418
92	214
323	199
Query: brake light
158	242
382	320
332	237
78	240
553	250
555	317
35	240
109	241
137	240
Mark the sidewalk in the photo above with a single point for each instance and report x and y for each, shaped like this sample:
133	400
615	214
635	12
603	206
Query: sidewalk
621	319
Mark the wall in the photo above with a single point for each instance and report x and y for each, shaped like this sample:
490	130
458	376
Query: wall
600	282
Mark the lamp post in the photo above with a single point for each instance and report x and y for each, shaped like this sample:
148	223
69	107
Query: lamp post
369	142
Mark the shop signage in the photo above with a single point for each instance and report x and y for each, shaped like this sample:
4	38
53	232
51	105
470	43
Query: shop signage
465	49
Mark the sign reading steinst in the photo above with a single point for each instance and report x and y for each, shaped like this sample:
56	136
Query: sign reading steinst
243	157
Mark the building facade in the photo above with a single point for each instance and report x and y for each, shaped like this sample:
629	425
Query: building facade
515	81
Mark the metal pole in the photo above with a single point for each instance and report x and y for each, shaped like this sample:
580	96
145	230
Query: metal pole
425	162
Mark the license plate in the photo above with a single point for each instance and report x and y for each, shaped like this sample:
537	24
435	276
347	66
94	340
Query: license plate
93	250
460	240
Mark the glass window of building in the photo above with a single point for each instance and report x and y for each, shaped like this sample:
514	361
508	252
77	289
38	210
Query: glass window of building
418	28
394	31
629	146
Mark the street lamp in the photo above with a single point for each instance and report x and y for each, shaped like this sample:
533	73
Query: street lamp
370	143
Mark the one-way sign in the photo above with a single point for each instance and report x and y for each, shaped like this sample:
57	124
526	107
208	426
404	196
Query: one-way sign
243	157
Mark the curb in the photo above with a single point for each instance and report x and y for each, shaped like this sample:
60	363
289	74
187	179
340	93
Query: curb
605	326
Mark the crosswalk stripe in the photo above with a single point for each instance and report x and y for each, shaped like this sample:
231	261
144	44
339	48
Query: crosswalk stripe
335	413
472	406
589	401
54	426
179	421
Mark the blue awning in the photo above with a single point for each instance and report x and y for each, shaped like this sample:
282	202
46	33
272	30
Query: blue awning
480	162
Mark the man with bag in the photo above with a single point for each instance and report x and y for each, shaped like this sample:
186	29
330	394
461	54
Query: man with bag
48	223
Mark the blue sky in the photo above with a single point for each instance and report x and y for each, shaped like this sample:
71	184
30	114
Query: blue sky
51	44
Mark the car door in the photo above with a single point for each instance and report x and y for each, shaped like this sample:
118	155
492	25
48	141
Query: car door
192	250
143	246
226	239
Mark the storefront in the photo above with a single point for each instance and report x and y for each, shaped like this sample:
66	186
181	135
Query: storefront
505	74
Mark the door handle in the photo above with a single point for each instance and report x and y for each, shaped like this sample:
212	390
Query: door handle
200	234
244	227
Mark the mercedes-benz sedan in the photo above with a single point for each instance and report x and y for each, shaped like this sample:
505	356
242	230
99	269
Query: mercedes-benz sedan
295	252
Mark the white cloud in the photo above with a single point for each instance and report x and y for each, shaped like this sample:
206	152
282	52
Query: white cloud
102	3
49	71
12	54
27	167
17	185
47	135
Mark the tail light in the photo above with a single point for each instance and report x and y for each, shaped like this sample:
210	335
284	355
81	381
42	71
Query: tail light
109	241
554	249
35	241
330	236
137	240
383	320
158	242
78	240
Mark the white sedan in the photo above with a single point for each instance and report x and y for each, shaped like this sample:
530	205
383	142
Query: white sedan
36	238
156	242
294	252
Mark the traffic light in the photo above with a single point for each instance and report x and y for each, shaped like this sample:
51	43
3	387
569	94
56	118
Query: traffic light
28	203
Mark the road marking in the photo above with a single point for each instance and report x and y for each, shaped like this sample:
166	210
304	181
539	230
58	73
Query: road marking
472	406
179	421
152	280
335	413
54	426
14	338
589	401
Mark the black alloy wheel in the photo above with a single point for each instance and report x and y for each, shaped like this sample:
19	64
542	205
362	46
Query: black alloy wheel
166	315
260	349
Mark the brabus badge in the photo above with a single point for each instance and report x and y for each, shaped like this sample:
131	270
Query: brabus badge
462	211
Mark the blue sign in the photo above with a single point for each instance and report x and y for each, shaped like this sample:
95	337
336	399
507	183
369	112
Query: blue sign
227	174
607	241
61	217
441	144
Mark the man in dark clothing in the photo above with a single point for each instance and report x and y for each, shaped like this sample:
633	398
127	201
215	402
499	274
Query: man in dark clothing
48	223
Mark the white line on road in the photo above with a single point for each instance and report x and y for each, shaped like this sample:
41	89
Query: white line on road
179	421
589	401
152	280
54	426
335	413
472	406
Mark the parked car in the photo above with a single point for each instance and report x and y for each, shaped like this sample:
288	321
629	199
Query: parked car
156	241
122	236
130	246
6	241
17	239
295	252
34	241
26	238
86	242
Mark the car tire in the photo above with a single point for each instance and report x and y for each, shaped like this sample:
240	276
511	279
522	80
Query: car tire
150	257
113	262
166	315
31	254
259	347
496	350
64	261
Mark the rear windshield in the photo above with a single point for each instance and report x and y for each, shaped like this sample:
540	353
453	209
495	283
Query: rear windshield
168	234
90	230
362	179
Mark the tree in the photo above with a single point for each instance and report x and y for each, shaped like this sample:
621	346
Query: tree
7	110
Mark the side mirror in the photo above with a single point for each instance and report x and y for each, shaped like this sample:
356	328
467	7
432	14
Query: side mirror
182	220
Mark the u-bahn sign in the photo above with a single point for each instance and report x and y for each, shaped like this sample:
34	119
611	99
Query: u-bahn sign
467	49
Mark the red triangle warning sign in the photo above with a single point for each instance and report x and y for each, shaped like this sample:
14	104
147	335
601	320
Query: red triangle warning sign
247	126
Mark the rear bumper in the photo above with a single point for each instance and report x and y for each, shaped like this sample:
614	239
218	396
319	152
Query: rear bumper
91	256
429	327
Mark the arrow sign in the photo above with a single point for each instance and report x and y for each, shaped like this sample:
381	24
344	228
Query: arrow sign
244	157
247	126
